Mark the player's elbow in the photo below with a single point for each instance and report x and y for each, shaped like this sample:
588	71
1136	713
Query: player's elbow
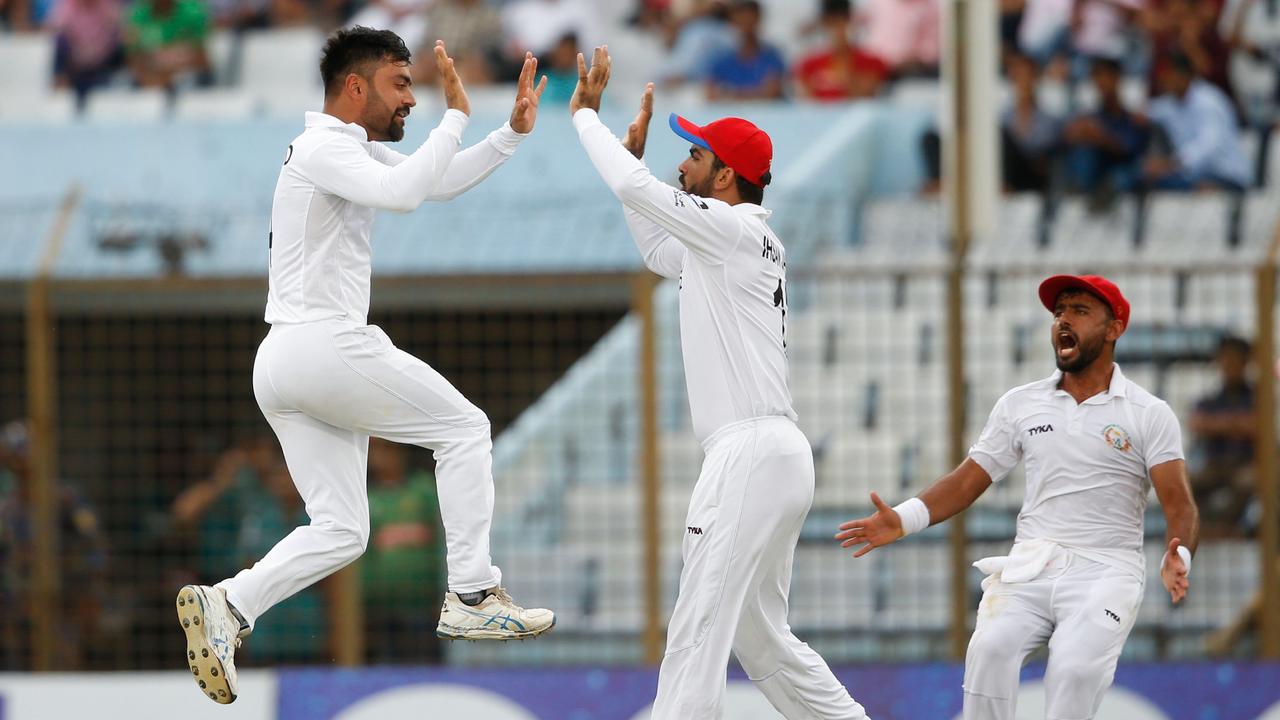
629	187
403	204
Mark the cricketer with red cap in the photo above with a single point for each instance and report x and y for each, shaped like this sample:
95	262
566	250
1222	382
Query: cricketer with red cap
1094	444
756	483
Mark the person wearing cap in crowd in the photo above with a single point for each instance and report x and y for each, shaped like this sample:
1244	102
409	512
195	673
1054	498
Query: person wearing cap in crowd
1094	443
756	483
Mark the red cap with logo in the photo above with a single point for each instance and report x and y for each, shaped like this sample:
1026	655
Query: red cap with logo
738	143
1097	285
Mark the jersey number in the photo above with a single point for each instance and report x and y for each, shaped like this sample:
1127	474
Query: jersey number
780	301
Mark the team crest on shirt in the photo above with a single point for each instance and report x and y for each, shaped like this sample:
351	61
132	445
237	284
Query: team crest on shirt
1117	438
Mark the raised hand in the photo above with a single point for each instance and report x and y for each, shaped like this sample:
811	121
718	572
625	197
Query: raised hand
525	113
638	130
591	84
455	96
1173	572
871	532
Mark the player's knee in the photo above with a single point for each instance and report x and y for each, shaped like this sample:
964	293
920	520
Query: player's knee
1081	675
990	650
349	539
471	437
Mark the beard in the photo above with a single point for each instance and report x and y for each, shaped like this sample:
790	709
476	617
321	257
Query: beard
379	115
1086	353
702	189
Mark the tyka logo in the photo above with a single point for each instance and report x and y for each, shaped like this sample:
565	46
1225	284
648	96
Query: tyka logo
1040	429
694	530
1112	615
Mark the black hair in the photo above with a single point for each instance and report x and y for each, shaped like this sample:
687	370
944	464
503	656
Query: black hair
1231	342
1106	63
352	50
752	5
833	8
747	190
1180	62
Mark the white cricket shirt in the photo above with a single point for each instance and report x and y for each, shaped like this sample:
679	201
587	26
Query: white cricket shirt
1087	465
332	181
733	279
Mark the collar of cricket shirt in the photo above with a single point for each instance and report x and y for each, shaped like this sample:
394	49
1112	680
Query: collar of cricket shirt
319	119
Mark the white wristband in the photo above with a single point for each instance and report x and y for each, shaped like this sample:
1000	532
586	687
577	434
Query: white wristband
1183	553
914	514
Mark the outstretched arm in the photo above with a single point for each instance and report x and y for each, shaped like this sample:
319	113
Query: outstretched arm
662	253
1182	521
345	168
708	229
472	165
951	494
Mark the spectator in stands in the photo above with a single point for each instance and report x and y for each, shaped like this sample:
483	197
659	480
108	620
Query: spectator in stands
905	34
249	504
1104	147
537	26
562	70
1044	33
404	567
839	71
472	30
1190	28
238	475
406	18
25	15
1199	143
82	552
88	50
702	36
1103	28
1030	137
240	14
754	70
1221	461
165	43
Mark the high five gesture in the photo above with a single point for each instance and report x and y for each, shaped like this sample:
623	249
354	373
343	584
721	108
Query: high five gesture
591	84
525	113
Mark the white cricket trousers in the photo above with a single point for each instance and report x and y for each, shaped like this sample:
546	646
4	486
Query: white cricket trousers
325	387
1084	609
744	519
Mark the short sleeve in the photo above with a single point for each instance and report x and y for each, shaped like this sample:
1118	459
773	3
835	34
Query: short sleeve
1163	436
998	448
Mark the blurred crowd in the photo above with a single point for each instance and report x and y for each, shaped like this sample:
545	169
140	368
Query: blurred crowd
1186	135
1183	124
217	525
1182	132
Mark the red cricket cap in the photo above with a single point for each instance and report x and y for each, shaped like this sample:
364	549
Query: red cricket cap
738	143
1097	285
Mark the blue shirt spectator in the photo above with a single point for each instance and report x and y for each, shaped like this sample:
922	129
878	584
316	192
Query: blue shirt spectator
1105	146
1203	135
754	70
701	40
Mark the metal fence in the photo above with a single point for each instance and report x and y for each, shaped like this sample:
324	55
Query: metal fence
164	472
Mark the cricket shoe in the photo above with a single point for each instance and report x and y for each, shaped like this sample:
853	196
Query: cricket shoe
213	634
497	617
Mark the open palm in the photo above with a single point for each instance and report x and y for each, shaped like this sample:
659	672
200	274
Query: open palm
525	113
876	530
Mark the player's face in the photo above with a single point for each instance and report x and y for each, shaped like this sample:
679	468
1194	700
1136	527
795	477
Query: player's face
390	98
1082	327
696	177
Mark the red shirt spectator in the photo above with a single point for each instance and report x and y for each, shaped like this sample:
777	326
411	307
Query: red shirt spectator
905	34
841	71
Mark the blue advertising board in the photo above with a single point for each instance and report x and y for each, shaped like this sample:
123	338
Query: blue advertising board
1166	691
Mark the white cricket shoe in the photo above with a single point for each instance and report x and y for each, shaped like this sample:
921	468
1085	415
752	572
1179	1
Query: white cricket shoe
497	617
213	634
